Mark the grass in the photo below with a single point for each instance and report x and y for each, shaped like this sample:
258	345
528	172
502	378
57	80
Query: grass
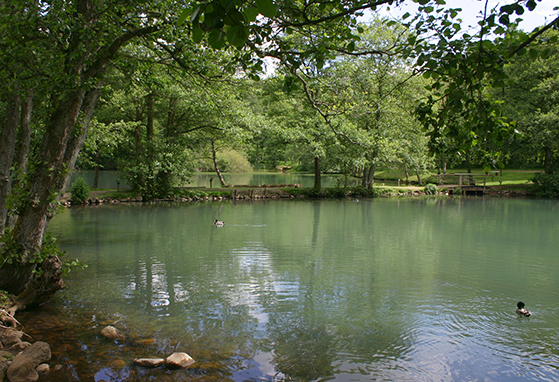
509	178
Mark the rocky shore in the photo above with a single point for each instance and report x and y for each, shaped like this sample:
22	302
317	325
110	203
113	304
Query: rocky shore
22	361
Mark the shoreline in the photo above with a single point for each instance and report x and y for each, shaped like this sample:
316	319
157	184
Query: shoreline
238	193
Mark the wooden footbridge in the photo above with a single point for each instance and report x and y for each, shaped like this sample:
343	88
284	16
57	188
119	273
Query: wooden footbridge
468	183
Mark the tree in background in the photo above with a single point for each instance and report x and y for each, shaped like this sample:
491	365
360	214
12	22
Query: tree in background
531	98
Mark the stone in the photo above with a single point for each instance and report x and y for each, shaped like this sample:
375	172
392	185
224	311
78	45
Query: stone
57	367
22	370
8	337
43	368
149	362
179	360
145	341
111	333
118	364
6	355
37	353
19	346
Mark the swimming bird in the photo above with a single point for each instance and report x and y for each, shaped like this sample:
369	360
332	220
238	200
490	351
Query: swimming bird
219	222
522	310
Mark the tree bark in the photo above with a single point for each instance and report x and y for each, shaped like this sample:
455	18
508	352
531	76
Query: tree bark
418	176
24	135
7	149
216	166
75	144
369	176
47	178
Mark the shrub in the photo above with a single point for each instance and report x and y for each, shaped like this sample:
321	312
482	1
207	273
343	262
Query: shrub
546	185
80	191
431	189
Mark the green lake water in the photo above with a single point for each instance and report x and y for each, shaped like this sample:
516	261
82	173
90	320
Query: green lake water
370	290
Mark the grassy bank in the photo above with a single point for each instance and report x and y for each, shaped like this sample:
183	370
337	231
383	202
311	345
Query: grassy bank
386	182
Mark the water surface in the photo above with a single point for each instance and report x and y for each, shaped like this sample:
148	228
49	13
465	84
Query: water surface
383	289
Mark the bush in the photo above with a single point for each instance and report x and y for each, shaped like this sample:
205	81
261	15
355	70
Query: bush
80	191
546	185
431	189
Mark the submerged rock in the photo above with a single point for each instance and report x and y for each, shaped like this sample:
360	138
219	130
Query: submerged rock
179	360
149	362
43	368
111	333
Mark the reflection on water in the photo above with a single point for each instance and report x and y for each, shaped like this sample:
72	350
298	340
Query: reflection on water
396	290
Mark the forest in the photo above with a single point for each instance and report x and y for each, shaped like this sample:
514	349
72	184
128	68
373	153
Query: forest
161	89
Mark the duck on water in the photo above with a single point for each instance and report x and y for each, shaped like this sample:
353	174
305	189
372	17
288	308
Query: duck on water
521	310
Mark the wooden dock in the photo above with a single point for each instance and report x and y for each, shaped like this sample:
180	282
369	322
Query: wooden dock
465	181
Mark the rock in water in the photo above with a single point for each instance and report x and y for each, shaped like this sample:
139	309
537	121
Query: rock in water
43	368
111	333
179	360
149	362
23	366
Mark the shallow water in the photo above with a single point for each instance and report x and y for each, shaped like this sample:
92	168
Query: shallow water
383	289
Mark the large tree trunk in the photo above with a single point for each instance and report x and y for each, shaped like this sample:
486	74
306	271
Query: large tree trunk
7	149
59	151
24	135
368	176
83	60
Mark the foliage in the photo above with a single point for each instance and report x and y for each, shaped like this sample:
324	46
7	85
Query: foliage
229	160
532	99
5	300
80	191
460	113
546	185
431	189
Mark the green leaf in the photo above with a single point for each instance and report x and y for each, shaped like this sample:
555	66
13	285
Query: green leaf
197	34
251	14
531	4
504	19
216	39
237	35
182	17
267	7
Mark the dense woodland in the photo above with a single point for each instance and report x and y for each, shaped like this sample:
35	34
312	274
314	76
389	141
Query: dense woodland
160	89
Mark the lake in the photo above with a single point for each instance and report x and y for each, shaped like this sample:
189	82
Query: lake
329	290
